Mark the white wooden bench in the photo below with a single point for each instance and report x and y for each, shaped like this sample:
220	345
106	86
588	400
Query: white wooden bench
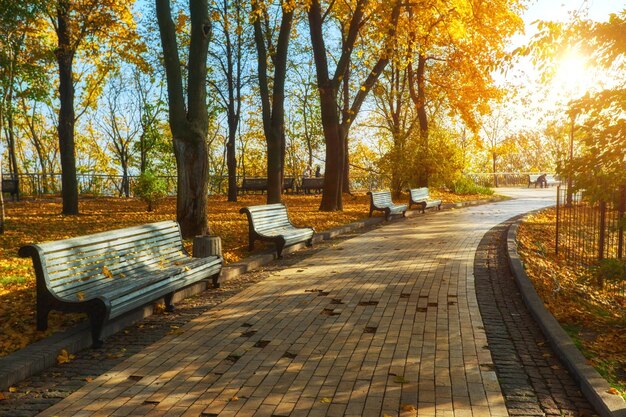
421	198
381	201
108	274
270	223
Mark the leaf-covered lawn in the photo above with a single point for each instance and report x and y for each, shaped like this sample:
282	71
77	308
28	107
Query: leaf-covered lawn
32	221
595	319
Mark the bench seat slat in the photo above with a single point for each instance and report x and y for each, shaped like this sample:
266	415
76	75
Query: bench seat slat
115	265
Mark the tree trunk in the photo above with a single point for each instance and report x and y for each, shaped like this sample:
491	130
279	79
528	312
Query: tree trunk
273	106
188	121
231	163
65	57
1	202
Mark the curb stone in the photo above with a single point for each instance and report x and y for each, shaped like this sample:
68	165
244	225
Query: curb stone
593	386
42	354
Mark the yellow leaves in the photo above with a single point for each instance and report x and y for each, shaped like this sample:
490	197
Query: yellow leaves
89	379
234	398
80	296
2	397
613	391
64	357
326	400
408	407
12	389
106	272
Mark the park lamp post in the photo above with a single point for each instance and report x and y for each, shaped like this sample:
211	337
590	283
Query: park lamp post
572	115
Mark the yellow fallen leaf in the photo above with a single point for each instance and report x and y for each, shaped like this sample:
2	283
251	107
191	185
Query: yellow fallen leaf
326	400
408	407
80	295
2	397
64	357
234	398
12	389
613	391
106	272
186	268
89	379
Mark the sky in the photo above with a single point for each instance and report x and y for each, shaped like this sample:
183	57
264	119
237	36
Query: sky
568	84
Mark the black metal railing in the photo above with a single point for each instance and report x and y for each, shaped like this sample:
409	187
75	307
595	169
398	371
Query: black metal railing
590	231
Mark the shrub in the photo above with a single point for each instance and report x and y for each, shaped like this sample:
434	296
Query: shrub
464	185
612	271
150	189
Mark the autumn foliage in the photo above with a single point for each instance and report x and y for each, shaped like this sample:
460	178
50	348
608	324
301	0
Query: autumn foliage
594	317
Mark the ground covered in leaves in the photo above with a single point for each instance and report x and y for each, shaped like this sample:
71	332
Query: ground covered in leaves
594	317
39	220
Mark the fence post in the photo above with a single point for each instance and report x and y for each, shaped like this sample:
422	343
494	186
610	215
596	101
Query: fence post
621	207
602	230
558	201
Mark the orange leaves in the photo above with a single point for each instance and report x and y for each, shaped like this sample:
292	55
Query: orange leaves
64	357
106	272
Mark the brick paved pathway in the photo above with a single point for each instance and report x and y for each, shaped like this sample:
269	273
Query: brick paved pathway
534	382
385	323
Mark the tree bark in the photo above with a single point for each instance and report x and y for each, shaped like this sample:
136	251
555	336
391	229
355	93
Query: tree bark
273	107
189	123
65	58
419	99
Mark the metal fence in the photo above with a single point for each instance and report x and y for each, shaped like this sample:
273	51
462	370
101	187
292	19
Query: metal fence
501	179
38	185
589	231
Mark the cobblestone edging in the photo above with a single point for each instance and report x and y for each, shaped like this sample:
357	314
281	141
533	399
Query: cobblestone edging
533	380
591	383
42	355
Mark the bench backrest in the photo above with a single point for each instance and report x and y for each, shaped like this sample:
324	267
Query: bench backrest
316	182
288	182
267	217
419	194
86	263
254	183
550	178
9	185
381	198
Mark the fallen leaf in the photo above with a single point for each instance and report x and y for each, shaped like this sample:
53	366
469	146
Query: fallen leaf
613	391
234	398
64	357
106	272
408	407
326	400
2	397
89	379
400	379
12	389
80	295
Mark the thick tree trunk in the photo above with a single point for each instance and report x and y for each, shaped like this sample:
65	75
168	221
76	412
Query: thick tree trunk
335	158
188	121
65	58
191	200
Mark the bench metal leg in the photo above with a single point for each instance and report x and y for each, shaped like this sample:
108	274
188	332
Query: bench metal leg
42	317
280	245
169	306
97	315
309	242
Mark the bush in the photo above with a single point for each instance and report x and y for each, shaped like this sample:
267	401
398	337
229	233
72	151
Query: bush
612	271
464	185
150	189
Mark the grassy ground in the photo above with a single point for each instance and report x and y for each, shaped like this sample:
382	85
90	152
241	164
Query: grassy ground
38	220
594	317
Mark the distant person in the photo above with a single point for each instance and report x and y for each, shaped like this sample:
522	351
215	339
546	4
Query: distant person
542	181
318	172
